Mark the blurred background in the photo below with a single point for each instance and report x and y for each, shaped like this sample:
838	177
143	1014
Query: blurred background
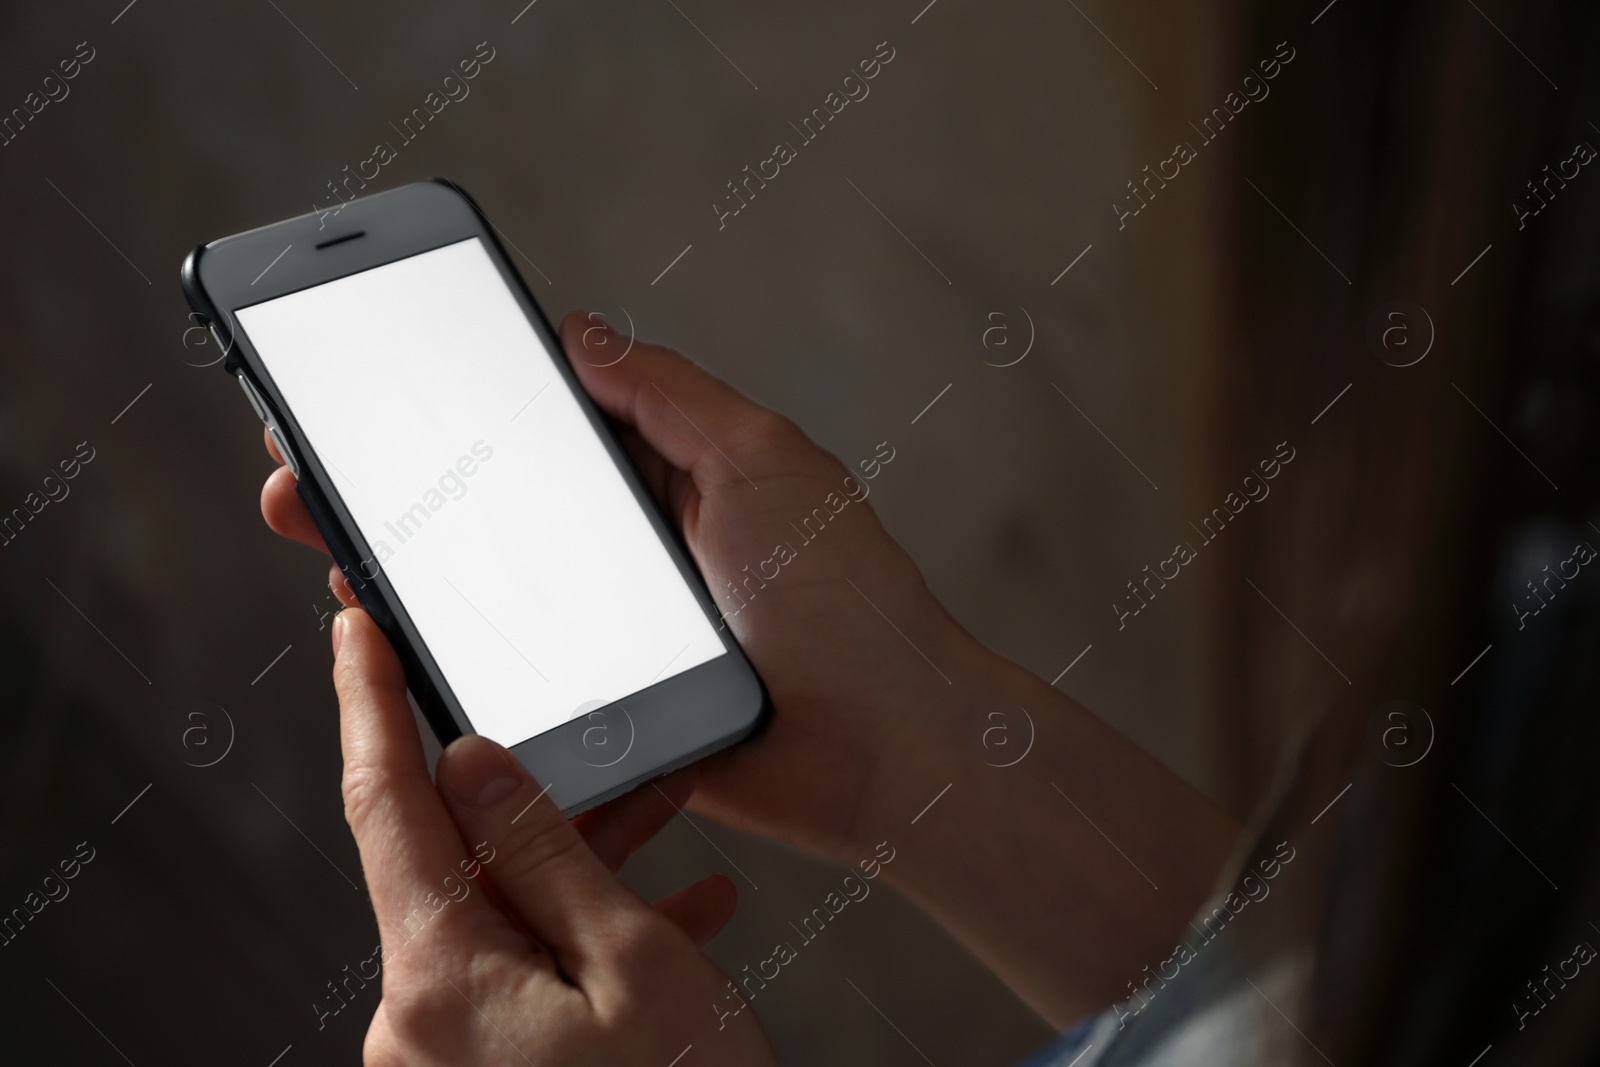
885	287
597	139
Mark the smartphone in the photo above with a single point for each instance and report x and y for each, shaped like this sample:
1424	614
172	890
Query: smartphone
476	499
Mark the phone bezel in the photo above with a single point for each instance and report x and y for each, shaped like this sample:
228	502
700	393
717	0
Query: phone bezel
669	724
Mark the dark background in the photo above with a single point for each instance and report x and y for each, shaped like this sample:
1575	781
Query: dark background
219	903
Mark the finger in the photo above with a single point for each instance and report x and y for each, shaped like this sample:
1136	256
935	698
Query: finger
701	910
619	828
695	421
286	513
672	487
651	466
339	586
272	446
545	873
409	844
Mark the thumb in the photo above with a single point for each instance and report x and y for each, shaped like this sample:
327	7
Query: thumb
376	722
400	824
695	420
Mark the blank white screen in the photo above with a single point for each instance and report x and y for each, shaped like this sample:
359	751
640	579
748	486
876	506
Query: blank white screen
514	543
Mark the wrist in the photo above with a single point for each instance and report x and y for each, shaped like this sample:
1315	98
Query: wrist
942	735
1038	835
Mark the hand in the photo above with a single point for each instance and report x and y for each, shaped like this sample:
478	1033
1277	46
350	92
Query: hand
851	695
542	957
880	701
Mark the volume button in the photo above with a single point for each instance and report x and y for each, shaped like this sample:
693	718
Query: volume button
283	450
254	398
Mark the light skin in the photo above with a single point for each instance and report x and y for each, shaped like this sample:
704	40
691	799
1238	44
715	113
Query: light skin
1066	872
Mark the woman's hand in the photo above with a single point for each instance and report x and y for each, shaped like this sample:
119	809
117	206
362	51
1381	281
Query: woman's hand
506	938
856	652
1047	866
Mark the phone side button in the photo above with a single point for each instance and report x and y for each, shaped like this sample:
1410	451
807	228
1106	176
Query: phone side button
283	450
255	400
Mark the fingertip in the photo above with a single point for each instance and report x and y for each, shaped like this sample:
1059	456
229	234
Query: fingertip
572	325
701	910
272	446
727	890
722	904
592	344
364	663
339	586
285	513
477	771
273	505
339	634
356	619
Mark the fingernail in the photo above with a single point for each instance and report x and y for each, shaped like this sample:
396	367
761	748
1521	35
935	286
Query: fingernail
479	772
338	633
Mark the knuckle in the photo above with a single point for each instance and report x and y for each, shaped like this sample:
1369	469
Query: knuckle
650	945
668	364
762	431
418	1013
365	787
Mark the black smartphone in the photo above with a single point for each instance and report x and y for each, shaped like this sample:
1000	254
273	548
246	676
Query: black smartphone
479	504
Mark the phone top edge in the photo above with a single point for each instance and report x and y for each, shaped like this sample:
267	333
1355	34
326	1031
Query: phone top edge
232	272
367	198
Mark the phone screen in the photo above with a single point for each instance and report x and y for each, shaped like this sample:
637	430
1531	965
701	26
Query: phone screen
512	540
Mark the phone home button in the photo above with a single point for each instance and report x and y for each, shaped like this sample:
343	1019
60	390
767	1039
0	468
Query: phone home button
602	736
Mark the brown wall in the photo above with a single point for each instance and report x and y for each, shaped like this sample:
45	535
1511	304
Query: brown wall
597	139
